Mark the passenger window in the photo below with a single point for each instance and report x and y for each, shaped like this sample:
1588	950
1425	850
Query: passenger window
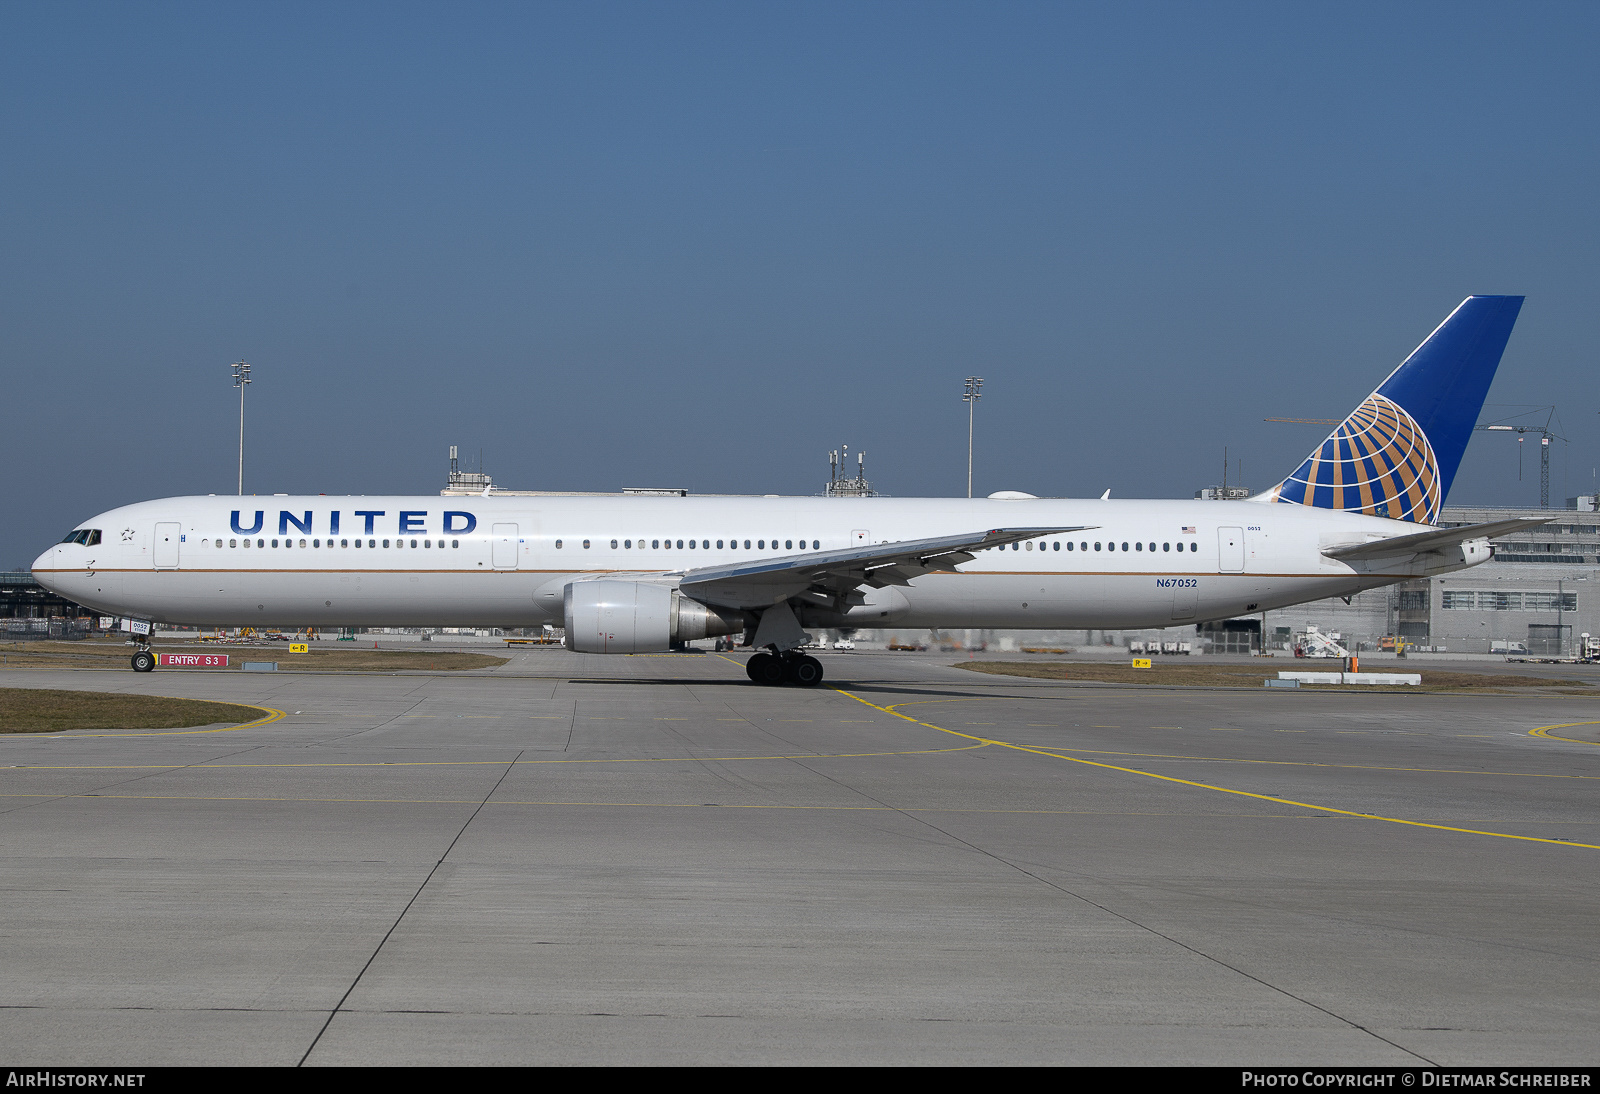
1166	546
1030	545
761	545
613	545
1124	545
274	543
261	543
1138	546
788	545
558	545
1058	545
455	543
1096	545
386	543
585	545
1194	547
303	543
680	545
374	543
628	543
655	544
746	545
1069	545
719	545
691	545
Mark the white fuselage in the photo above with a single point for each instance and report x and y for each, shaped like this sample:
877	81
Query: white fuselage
504	561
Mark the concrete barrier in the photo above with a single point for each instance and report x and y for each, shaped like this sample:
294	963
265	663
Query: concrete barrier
1411	678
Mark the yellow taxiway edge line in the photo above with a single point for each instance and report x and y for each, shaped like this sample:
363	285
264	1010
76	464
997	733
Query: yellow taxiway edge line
1544	731
496	763
273	715
1221	789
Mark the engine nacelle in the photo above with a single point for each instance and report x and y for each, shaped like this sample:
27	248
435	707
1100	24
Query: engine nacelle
638	617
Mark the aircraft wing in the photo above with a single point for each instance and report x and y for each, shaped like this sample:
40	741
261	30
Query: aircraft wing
830	578
1431	540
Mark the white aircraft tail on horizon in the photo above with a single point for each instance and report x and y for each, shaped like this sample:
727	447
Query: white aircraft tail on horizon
630	574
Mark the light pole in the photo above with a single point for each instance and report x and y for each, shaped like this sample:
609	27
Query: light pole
971	399
241	378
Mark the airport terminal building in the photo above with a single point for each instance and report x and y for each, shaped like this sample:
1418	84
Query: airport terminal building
1541	592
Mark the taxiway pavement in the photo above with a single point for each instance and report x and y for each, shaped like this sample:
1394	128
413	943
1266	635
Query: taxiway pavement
578	859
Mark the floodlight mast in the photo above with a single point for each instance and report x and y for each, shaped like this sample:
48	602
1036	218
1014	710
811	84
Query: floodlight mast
241	378
971	398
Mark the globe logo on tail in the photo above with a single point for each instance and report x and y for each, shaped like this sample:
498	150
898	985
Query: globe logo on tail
1378	462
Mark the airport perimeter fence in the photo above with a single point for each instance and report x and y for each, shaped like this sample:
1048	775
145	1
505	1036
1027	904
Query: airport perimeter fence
32	629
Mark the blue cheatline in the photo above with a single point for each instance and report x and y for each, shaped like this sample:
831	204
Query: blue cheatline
1397	453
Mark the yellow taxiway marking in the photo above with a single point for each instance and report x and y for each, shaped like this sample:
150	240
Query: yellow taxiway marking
502	763
1224	789
670	805
1544	731
272	716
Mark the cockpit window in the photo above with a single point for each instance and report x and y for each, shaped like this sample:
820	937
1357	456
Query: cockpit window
88	537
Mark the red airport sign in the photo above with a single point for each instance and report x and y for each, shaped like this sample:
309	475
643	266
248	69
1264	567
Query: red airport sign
193	660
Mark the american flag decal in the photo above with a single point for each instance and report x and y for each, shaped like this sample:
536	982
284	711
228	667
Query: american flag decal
1188	529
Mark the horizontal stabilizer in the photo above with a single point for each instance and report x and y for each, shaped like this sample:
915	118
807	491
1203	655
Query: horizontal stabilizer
1433	540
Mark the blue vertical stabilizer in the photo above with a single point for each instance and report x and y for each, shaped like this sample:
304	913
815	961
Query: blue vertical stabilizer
1397	454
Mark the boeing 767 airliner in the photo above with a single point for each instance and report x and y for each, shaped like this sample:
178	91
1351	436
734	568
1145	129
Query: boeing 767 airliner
625	574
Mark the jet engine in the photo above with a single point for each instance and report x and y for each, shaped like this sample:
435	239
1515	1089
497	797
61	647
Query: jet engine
604	616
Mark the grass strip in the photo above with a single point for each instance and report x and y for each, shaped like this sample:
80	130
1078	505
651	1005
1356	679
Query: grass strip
103	654
1244	676
46	710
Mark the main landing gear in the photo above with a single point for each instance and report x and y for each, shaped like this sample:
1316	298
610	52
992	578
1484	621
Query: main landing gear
785	668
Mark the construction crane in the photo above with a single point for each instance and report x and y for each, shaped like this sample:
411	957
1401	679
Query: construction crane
1545	435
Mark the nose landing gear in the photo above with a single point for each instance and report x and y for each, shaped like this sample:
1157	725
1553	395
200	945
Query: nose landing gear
144	661
785	668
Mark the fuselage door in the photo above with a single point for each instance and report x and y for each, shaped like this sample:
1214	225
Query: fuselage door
166	548
505	546
1230	550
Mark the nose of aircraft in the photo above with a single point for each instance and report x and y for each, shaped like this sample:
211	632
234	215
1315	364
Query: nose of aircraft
44	569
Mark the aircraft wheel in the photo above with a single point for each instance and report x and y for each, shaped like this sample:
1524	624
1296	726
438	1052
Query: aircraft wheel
764	668
806	671
144	661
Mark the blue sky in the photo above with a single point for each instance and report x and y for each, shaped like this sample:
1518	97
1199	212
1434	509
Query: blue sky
702	244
